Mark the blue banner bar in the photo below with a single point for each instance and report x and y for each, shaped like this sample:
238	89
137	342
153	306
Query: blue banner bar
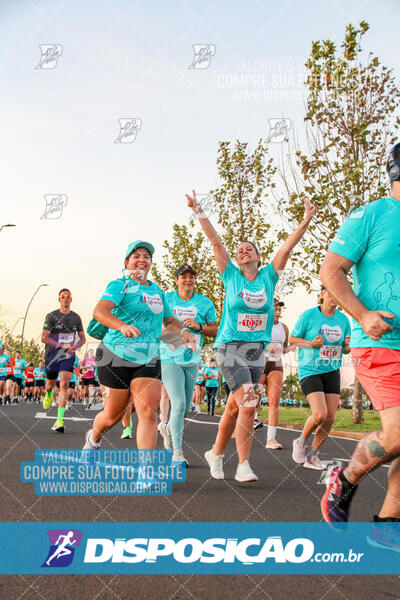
199	548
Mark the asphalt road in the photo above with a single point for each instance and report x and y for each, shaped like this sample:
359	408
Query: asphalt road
285	492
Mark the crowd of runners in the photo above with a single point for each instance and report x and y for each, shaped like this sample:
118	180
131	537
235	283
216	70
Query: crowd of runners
149	356
22	381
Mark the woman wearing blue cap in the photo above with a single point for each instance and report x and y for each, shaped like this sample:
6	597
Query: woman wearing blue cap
128	362
180	365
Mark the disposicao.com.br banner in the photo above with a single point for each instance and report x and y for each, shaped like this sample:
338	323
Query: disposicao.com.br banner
199	548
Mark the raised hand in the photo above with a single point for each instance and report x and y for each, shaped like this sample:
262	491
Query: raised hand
309	209
192	202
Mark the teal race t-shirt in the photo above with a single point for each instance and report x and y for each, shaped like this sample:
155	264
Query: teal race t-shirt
212	376
312	322
248	313
4	360
369	237
142	306
201	309
39	374
19	368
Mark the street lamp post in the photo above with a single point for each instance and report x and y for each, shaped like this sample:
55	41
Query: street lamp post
27	308
16	323
8	225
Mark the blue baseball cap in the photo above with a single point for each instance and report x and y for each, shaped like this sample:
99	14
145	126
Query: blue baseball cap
139	244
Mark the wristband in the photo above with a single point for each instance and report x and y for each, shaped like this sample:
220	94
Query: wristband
201	327
184	329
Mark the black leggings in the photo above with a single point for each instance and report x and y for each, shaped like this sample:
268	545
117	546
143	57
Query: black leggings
211	396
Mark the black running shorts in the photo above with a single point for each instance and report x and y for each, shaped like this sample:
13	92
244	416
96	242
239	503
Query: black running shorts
329	383
116	373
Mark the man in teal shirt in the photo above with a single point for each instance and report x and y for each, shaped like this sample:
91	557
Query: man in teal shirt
368	242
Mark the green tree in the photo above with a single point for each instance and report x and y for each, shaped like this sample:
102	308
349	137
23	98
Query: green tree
31	350
349	125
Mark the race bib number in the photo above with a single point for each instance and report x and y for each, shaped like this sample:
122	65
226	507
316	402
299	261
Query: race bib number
65	338
274	351
330	352
252	322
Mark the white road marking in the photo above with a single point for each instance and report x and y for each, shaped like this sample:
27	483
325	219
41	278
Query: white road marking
42	415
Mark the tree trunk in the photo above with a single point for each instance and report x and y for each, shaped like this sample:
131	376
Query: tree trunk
358	417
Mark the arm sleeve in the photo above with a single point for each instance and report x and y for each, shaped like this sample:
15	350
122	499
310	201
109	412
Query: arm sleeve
114	292
299	330
48	322
79	324
229	272
211	315
351	240
167	309
270	273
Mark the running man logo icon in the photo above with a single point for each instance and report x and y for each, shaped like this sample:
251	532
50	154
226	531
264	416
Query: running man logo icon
62	547
55	203
279	130
50	55
203	54
128	129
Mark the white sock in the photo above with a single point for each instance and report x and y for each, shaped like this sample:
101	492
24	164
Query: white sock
271	433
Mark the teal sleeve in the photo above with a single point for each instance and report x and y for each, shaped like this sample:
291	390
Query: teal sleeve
299	330
211	315
270	272
115	291
167	309
227	275
351	240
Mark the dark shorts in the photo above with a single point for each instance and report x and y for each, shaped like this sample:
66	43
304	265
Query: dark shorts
241	362
116	373
272	365
71	385
89	381
18	380
11	378
329	383
3	377
29	384
40	383
58	361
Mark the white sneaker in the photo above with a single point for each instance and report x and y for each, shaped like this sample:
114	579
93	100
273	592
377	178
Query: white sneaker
245	473
177	457
215	462
166	435
313	462
299	452
272	444
89	445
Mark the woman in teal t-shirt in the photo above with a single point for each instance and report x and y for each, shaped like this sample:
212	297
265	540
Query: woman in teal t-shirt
322	334
244	331
134	309
211	375
179	366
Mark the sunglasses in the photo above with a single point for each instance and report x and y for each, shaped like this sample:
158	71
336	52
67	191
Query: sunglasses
64	296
